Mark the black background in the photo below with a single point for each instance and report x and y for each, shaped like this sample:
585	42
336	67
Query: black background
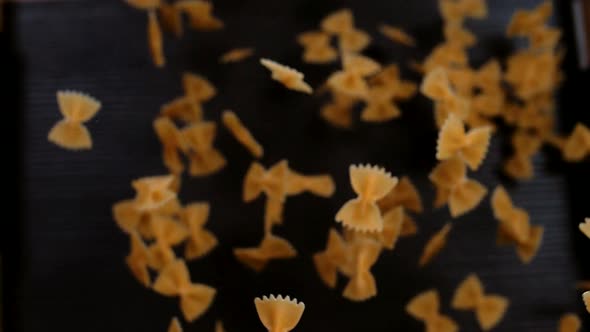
63	256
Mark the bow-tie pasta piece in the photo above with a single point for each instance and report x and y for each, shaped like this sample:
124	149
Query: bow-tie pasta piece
409	226
138	259
523	22
175	325
200	14
354	40
174	280
362	284
76	108
519	167
371	184
172	144
435	245
200	240
168	232
577	145
338	22
272	182
360	64
153	192
204	158
319	185
144	4
436	85
403	194
457	34
279	314
289	77
425	307
328	261
393	221
129	218
569	323
545	38
310	39
397	35
586	297
197	87
585	227
317	48
338	112
454	141
184	109
171	19
380	106
236	55
272	247
241	133
489	309
155	40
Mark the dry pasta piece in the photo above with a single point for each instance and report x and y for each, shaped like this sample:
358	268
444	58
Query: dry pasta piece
461	193
393	221
172	142
197	87
184	109
380	106
153	192
545	38
204	158
273	212
310	39
174	280
327	262
362	285
456	33
200	14
219	326
167	232
519	167
155	40
272	182
138	259
338	22
583	285
569	323
370	183
289	77
577	145
272	247
425	307
171	19
446	55
76	108
129	218
489	76
317	48
586	297
403	194
351	80
436	85
454	141
338	112
434	246
200	241
236	55
144	4
175	325
523	22
397	35
279	314
319	185
585	227
409	226
354	40
241	133
489	309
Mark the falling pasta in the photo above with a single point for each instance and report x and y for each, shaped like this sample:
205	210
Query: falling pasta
435	245
200	241
453	141
241	133
289	77
279	314
328	261
585	227
426	308
272	247
175	325
569	323
236	55
76	108
397	35
362	284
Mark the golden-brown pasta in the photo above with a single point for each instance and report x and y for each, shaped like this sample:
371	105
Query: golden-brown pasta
338	112
144	4
289	77
489	309
544	38
583	285
353	40
454	141
175	325
585	227
409	226
362	284
327	262
200	241
317	48
184	109
273	212
434	246
197	87
379	105
172	143
155	40
272	247
397	35
174	280
76	108
351	80
523	22
236	55
241	133
272	182
445	55
200	14
338	22
370	183
569	323
577	145
129	218
586	297
425	307
393	221
279	314
319	185
519	167
138	259
403	194
436	85
204	158
171	19
458	35
168	232
153	192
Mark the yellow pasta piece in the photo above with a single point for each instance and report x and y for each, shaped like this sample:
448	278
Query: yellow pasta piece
397	35
370	183
403	194
393	221
197	87
362	285
354	40
153	192
436	85
456	34
319	185
272	247
327	262
273	212
360	64
577	145
129	218
309	39
425	307
317	48
524	22
174	280
489	309
338	112
446	55
338	22
489	76
155	40
76	108
241	133
172	142
454	141
519	167
434	246
272	182
489	103
461	193
144	4
171	19
200	14
409	226
380	106
351	80
569	323
204	158
586	297
200	241
279	314
175	325
289	77
236	55
168	233
585	227
184	109
138	259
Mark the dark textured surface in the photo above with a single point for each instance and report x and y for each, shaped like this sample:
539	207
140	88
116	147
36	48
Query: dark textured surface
71	276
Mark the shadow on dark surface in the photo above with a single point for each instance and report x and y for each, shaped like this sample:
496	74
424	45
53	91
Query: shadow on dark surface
66	272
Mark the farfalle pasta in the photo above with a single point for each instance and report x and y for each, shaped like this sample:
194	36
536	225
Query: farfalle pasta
454	141
271	248
184	109
241	133
155	40
379	105
371	184
577	145
129	218
320	185
585	227
403	194
453	187
351	80
489	309
524	22
525	145
174	280
569	323
76	108
236	55
586	298
289	77
173	144
425	307
138	258
328	261
362	285
272	182
317	48
198	88
279	314
435	245
397	35
204	158
341	24
200	14
153	192
200	241
167	232
338	112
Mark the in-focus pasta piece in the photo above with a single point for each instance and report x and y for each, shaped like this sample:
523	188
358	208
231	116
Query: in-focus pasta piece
327	262
397	35
569	323
279	314
236	55
425	307
200	241
272	247
200	14
435	245
76	108
289	77
241	133
362	285
155	40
